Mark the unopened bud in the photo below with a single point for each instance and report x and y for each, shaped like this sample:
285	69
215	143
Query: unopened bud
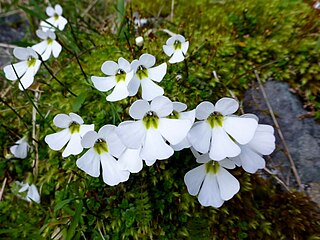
139	41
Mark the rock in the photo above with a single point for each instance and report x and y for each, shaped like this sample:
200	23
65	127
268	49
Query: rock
302	135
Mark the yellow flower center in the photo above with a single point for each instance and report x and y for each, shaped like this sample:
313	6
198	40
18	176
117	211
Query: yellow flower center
31	61
151	120
120	75
49	41
177	45
100	146
212	167
56	16
215	119
174	115
74	127
142	72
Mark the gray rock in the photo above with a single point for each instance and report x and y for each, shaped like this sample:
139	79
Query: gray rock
302	135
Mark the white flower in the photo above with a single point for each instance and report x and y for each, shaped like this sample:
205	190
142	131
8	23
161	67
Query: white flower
28	192
144	75
48	46
139	41
74	129
316	5
262	143
104	147
130	160
20	149
24	70
119	76
211	181
152	129
219	130
56	19
178	113
176	47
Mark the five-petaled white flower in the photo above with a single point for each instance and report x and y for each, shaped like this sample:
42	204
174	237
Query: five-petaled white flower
144	75
48	46
119	76
55	20
262	143
104	147
178	113
219	130
20	149
24	70
211	181
74	129
28	192
152	129
176	47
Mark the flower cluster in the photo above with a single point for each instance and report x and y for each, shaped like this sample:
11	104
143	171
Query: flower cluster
31	57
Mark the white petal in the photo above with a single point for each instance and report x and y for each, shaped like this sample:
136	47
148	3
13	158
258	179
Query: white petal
194	178
74	146
177	57
174	130
241	129
84	128
50	34
21	53
203	110
124	64
61	23
228	184
40	47
180	38
226	106
33	194
149	162
135	64
18	69
263	141
45	56
139	108
119	92
20	149
133	86
56	49
171	40
150	90
90	163
24	186
147	60
222	145
115	145
227	163
250	160
103	84
75	117
210	194
162	106
56	141
190	115
250	115
203	158
179	107
155	147
131	133
199	136
26	80
181	145
58	9
111	172
157	73
184	47
169	50
50	11
110	68
130	160
89	139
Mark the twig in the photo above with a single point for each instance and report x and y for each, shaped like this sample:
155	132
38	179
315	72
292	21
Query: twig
277	178
293	166
35	128
172	10
2	188
6	45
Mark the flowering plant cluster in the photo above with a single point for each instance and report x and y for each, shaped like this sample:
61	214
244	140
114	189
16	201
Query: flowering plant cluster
218	138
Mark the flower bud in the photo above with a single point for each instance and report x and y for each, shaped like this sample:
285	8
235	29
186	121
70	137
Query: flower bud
139	41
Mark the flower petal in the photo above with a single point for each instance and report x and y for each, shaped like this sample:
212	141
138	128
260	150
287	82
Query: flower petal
263	141
199	136
130	160
74	146
203	110
27	79
203	158
119	92
124	64
155	147
33	194
162	106
209	194
75	117
250	160
169	50
222	145
227	163
179	107
131	133
62	23
133	86
226	106
20	149
19	69
139	108
115	145
50	11
110	68
56	141
190	115
90	163
21	53
56	49
184	47
89	139
103	84
149	162
157	73
150	90
174	130
194	178
177	57
228	184
111	172
181	145
241	129
147	60
62	120
45	56
40	47
58	9
84	128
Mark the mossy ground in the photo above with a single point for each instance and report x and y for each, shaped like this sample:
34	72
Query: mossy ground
279	38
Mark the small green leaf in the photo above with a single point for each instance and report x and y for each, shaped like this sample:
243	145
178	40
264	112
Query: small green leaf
62	204
77	104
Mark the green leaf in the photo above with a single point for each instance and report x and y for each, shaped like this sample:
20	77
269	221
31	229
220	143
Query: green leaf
79	101
62	204
74	222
